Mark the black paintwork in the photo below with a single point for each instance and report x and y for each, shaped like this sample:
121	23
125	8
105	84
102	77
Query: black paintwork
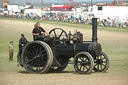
69	47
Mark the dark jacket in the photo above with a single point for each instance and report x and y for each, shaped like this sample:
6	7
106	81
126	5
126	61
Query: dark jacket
37	30
22	41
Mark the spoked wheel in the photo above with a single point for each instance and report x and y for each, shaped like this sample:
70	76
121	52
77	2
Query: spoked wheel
37	57
56	69
83	63
62	34
101	63
19	59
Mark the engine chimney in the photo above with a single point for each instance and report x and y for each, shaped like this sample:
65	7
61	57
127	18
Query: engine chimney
94	30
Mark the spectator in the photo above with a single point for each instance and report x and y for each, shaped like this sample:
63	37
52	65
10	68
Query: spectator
11	51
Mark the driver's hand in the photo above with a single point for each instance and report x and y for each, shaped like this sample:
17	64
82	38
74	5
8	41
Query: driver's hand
49	35
37	34
22	44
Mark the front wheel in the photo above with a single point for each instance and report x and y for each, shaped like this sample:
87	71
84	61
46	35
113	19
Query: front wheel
101	63
83	63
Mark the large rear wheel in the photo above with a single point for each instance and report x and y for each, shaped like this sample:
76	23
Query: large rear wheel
37	57
19	59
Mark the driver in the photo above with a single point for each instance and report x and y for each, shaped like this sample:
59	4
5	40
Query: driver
37	30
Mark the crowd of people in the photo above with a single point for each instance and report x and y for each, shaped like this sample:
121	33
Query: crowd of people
107	21
121	23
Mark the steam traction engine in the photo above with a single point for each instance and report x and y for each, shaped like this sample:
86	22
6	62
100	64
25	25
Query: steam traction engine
52	54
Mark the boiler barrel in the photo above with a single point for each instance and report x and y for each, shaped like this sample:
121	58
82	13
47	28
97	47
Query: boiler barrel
72	49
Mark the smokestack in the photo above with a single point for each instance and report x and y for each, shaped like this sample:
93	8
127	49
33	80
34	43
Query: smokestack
94	30
42	3
91	2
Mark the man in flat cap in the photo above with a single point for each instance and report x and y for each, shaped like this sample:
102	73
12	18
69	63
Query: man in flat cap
22	42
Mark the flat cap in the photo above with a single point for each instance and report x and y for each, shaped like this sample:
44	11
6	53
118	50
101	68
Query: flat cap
22	34
11	41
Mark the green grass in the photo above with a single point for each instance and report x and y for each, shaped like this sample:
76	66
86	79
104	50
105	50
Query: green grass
7	66
118	54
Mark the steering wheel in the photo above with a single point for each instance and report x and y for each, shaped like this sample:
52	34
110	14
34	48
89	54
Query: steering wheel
62	34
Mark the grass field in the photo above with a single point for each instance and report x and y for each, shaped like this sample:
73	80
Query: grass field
114	43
